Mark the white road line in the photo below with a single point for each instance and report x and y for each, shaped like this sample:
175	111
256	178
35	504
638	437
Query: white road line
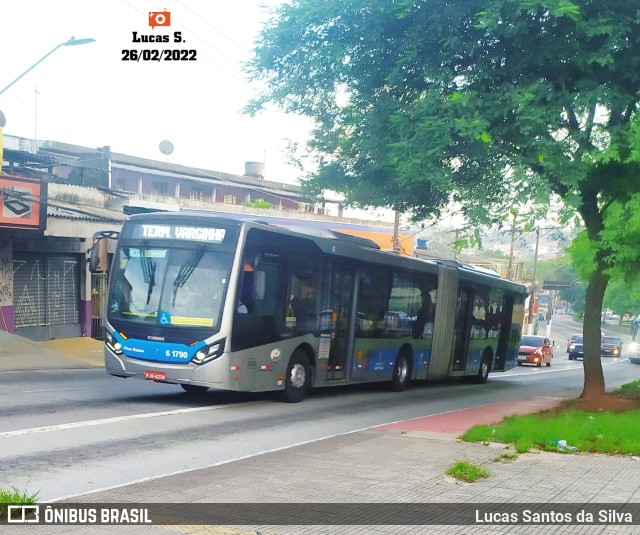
221	463
257	454
56	389
501	375
117	419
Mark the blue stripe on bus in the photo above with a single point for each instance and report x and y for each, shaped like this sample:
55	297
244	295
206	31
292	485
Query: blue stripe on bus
158	351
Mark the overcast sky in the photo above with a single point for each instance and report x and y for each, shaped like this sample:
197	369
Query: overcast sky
89	95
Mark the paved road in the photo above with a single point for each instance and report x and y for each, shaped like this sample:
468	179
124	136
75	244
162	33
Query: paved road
66	432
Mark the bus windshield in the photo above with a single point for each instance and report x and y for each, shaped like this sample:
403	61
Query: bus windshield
181	286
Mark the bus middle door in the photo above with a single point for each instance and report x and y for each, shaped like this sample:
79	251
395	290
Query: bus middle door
341	305
461	332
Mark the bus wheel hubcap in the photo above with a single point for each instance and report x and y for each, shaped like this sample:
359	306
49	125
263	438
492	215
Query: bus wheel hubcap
297	376
402	370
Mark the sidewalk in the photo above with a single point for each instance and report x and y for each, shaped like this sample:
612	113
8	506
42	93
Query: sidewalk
387	467
17	353
393	465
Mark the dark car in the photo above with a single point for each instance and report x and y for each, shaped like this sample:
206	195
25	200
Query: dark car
536	350
572	339
576	348
611	346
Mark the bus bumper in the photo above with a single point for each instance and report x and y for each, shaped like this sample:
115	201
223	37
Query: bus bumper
214	374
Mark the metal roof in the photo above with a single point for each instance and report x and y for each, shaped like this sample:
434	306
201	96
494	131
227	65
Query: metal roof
65	210
213	179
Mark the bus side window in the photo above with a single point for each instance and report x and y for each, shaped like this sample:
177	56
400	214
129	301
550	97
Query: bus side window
246	297
258	326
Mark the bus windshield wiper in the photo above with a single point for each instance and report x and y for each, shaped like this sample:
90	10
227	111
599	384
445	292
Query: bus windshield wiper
149	272
186	270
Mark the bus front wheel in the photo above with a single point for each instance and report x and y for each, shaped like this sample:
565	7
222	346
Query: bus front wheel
297	379
401	373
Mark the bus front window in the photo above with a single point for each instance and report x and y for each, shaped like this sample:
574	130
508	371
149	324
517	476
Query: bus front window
181	287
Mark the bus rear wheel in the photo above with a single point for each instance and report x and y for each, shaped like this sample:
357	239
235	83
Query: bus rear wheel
194	389
297	379
401	373
483	372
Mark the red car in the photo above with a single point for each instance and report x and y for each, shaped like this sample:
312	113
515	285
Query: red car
536	350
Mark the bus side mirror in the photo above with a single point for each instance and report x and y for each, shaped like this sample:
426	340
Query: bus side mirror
260	285
98	256
98	262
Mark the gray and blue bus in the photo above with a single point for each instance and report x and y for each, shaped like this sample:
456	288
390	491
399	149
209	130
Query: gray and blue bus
238	304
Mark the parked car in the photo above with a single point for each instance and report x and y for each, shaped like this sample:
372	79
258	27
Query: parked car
535	350
363	324
576	348
611	346
572	339
396	320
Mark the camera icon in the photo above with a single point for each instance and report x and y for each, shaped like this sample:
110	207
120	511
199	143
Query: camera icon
159	18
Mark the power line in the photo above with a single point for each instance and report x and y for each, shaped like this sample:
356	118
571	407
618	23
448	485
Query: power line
214	28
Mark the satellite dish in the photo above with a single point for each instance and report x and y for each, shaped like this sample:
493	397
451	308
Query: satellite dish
166	147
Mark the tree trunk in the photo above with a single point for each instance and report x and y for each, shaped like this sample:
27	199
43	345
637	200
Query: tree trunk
591	330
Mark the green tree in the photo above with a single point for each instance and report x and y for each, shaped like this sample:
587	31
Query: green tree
490	103
258	203
623	298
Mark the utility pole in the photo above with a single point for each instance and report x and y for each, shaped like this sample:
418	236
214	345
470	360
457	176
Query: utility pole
396	232
513	239
533	283
35	114
455	244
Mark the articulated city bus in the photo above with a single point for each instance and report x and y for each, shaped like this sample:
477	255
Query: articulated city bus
210	302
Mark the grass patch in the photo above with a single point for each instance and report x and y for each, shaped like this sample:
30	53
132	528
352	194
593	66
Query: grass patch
506	457
602	432
466	471
15	497
629	391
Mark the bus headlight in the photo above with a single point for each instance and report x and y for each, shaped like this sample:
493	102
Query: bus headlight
112	343
209	353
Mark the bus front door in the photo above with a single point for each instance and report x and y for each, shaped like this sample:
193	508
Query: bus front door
341	299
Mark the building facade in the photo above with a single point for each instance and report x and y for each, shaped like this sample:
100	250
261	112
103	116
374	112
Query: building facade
46	291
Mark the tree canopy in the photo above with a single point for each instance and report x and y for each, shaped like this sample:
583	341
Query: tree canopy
491	103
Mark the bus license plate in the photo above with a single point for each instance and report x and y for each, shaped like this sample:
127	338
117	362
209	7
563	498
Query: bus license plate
155	376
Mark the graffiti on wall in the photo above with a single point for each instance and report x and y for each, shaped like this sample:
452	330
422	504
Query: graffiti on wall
6	279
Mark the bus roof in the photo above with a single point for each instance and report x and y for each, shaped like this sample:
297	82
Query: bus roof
336	243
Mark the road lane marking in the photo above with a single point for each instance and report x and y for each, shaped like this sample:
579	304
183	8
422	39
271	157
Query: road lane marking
103	421
56	389
502	375
214	465
155	477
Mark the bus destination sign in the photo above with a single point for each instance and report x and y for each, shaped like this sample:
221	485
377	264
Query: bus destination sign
181	232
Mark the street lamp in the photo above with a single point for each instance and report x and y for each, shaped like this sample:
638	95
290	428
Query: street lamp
71	42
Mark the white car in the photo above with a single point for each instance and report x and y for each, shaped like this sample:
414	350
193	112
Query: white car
363	323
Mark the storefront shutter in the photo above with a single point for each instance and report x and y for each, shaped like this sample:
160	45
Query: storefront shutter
29	294
62	284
